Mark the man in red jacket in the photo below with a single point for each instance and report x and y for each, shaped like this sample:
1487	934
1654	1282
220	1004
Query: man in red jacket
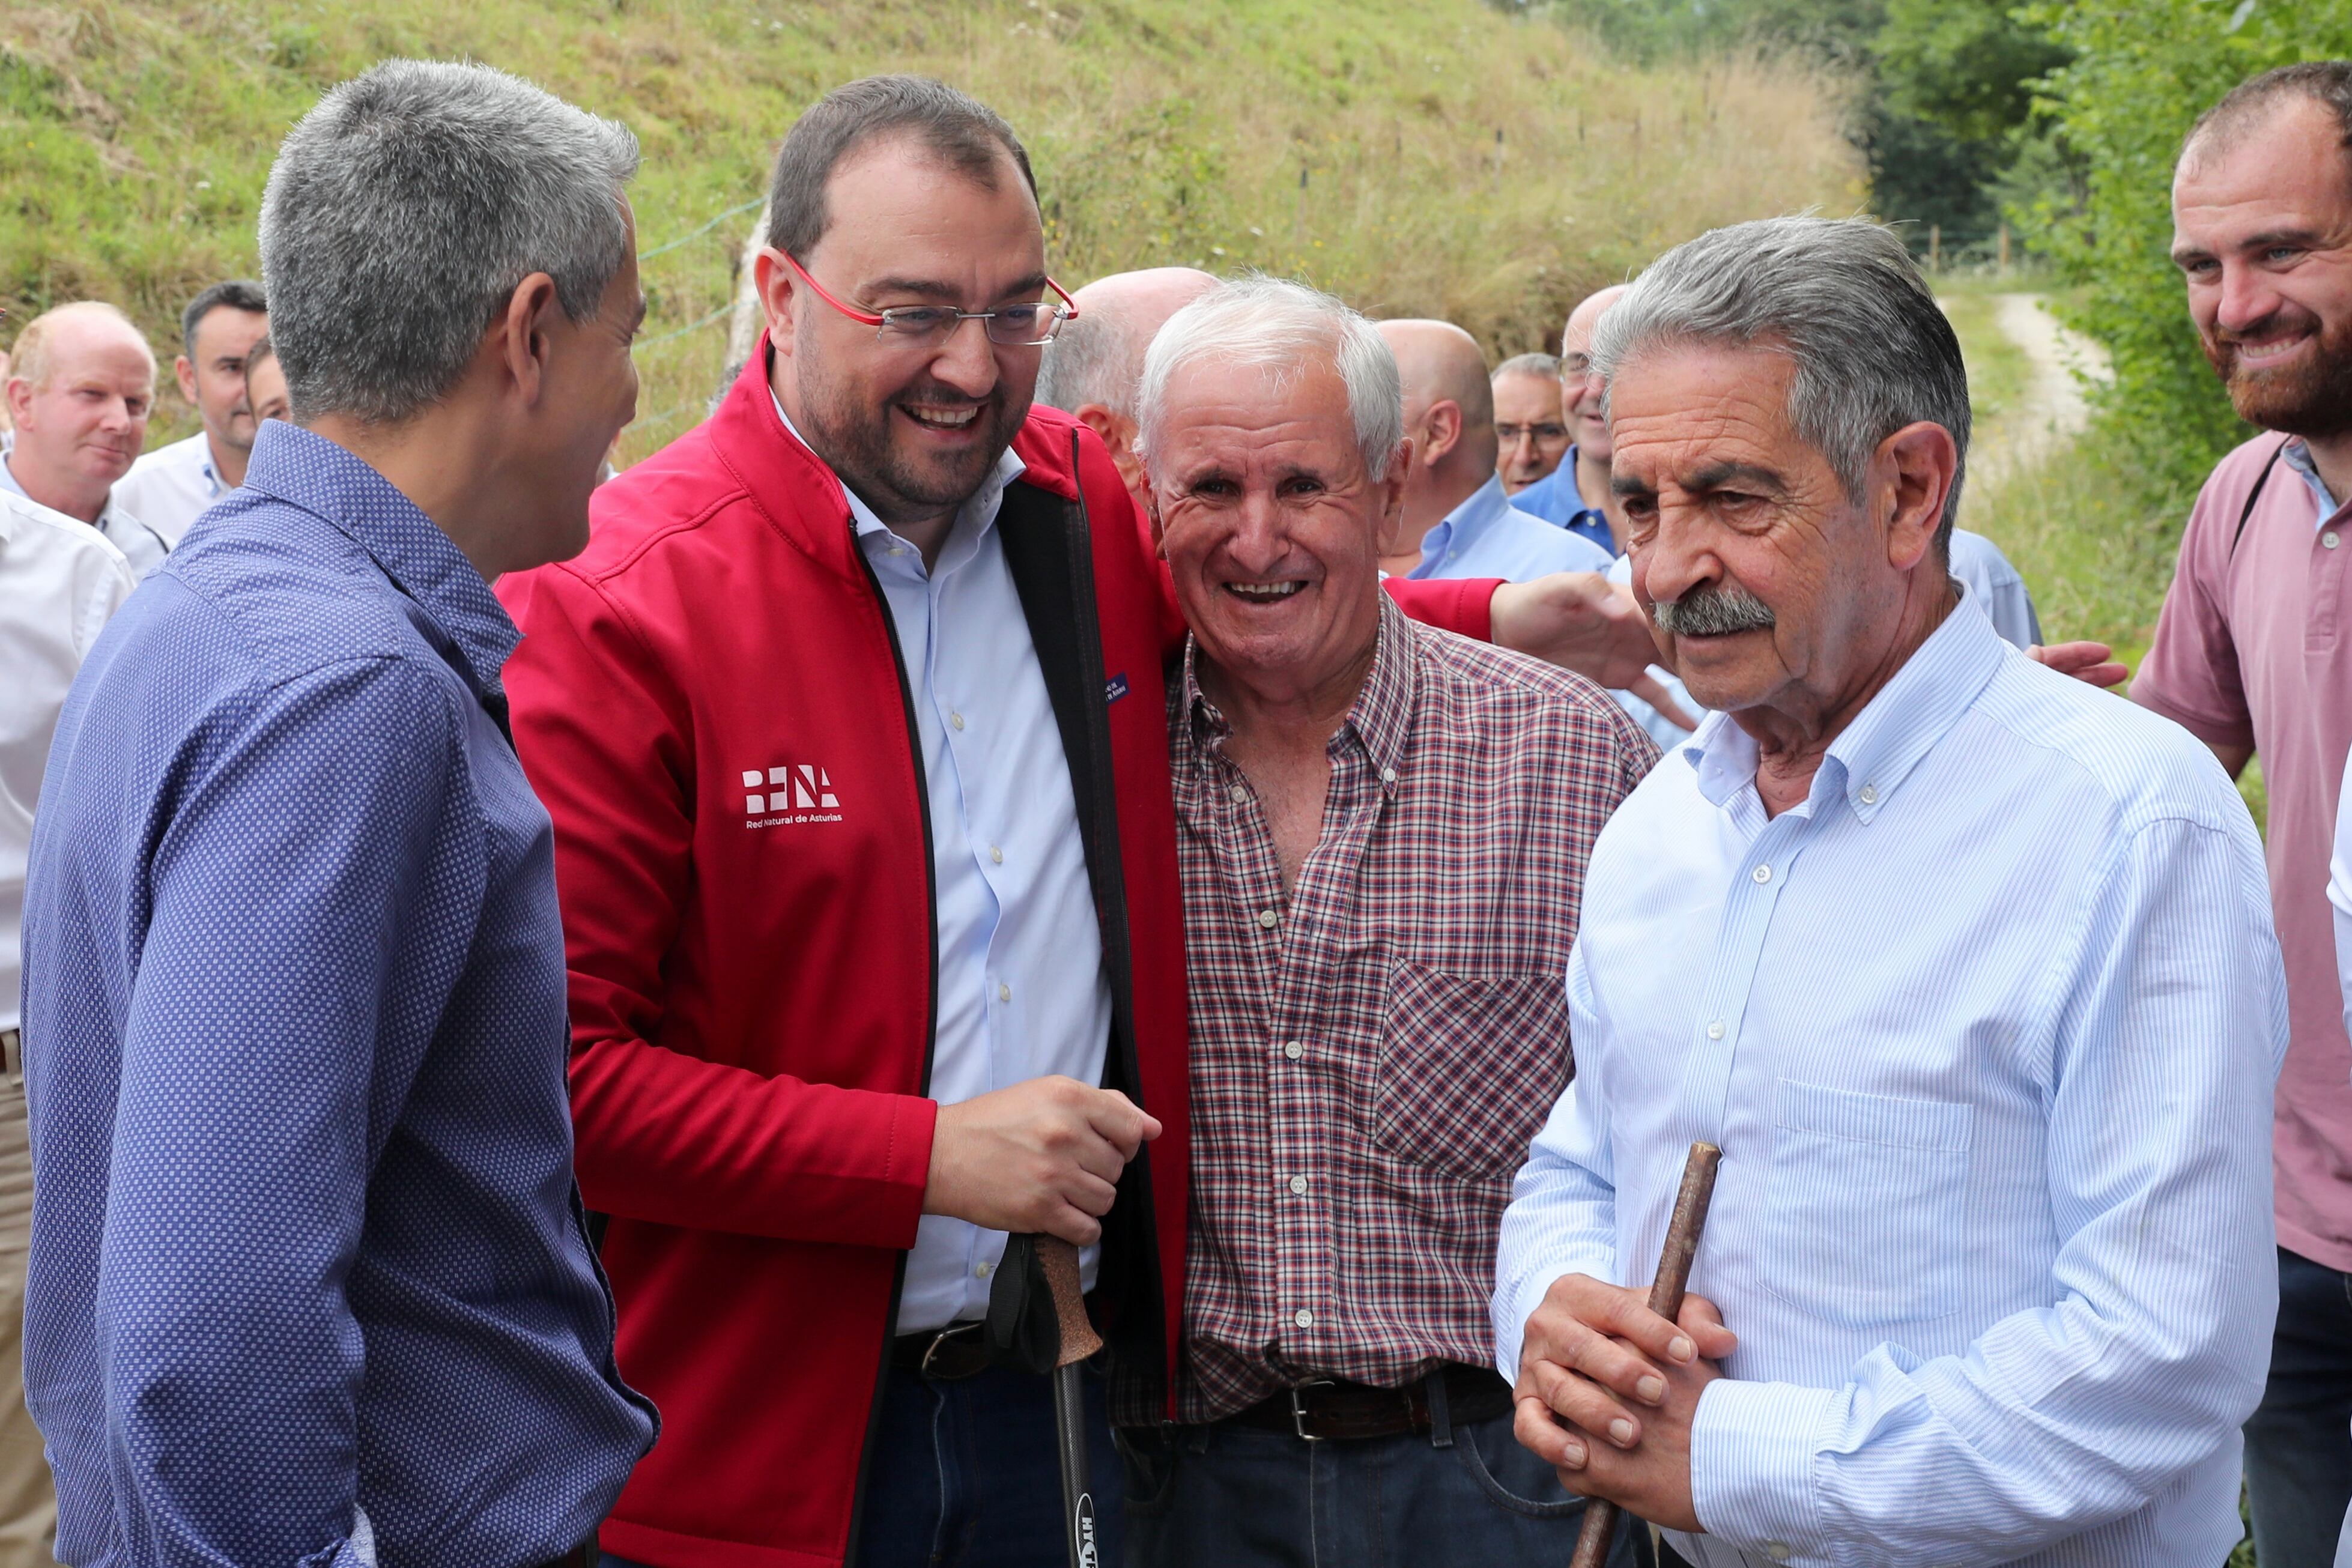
850	721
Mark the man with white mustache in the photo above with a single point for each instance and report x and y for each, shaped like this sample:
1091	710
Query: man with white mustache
2253	656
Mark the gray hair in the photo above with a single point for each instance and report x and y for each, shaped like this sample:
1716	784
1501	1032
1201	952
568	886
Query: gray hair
1841	297
1275	325
406	209
1084	361
1544	365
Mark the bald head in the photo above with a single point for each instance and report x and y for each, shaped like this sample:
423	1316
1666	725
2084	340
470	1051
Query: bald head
1585	424
1439	362
1091	368
79	392
1098	357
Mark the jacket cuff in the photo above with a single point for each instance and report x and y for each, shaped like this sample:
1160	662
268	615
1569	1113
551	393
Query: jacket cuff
914	1122
1753	1446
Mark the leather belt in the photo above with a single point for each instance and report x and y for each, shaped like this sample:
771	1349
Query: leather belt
948	1354
1329	1408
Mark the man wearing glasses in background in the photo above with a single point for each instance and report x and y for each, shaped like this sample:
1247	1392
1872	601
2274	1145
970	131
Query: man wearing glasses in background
1530	431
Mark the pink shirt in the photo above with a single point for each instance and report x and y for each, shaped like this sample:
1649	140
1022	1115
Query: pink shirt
2252	650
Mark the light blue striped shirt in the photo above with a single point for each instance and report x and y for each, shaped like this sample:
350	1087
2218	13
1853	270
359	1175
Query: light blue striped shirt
1993	1092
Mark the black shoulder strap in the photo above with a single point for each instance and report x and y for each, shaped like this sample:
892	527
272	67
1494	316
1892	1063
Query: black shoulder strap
2255	494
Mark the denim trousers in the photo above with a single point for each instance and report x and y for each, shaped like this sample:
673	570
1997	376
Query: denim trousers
967	1474
1230	1497
2299	1441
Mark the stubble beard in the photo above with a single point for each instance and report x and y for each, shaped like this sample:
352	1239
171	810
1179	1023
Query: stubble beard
2313	399
853	437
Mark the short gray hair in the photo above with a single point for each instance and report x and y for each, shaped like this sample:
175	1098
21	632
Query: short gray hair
403	210
1842	298
1544	365
1084	361
1277	325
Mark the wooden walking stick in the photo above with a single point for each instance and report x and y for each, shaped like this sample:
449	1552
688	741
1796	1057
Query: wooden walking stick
1079	1341
1665	1300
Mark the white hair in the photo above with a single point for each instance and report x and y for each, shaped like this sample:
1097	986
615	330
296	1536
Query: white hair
1279	328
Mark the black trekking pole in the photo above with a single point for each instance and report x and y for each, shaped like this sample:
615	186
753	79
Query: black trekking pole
1078	1341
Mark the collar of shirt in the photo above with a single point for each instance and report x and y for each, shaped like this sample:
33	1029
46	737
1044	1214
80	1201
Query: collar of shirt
1480	511
1868	762
2297	452
979	510
310	472
1380	720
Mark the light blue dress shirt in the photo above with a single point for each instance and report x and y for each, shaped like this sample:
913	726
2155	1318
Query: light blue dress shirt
1021	989
1486	536
1996	587
1987	1029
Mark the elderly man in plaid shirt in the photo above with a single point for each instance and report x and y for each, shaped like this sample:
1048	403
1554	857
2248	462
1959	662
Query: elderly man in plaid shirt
1382	832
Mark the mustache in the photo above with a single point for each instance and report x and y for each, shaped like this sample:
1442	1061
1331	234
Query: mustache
2287	318
1712	611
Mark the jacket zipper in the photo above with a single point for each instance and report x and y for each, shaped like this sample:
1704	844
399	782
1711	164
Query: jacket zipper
931	1024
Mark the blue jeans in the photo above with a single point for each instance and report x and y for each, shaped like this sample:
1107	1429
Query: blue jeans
2299	1442
967	1474
1229	1496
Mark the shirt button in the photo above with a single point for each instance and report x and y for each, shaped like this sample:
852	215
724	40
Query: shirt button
1269	918
2330	538
996	854
1303	1318
1004	992
1763	874
1870	794
1294	1050
1240	795
1715	1030
1298	1186
897	549
1388	775
1778	1551
984	1269
955	719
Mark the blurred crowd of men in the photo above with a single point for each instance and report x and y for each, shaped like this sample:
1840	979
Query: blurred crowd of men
564	1012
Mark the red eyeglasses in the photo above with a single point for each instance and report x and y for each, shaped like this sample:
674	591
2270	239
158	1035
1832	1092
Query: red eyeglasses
1008	326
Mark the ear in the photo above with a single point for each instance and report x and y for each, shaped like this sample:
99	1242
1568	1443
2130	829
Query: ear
1911	480
1443	424
521	336
779	294
1117	433
20	399
1389	494
185	372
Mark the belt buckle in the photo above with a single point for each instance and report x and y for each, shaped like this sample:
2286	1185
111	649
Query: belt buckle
1298	1409
942	1338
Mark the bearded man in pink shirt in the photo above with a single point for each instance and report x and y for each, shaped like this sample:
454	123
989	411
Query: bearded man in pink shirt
2253	656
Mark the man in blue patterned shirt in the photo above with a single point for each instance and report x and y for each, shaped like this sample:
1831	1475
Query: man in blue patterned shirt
309	1280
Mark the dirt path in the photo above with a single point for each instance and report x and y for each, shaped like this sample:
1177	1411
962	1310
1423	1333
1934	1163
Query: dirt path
2052	409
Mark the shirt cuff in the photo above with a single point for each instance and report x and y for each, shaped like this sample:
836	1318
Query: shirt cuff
1512	1333
1753	1446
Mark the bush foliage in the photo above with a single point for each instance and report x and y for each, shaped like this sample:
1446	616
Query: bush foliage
1438	159
2143	71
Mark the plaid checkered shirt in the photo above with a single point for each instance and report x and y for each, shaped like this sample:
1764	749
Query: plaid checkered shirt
1373	1051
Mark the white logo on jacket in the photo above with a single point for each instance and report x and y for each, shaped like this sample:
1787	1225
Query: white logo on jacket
795	792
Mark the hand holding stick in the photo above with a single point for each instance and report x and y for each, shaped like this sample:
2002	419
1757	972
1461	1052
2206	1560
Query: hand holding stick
1683	1233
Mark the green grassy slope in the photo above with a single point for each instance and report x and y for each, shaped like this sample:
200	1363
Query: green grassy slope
1350	141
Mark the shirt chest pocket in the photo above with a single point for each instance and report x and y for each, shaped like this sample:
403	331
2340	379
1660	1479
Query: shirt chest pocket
1868	1198
1468	1068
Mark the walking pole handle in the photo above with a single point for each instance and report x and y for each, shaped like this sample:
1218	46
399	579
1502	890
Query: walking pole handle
1667	1291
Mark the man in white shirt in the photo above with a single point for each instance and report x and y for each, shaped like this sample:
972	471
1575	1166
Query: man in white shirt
60	584
1457	520
1967	970
79	390
169	487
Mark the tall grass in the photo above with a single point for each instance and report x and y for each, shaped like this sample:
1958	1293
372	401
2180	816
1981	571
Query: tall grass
1439	158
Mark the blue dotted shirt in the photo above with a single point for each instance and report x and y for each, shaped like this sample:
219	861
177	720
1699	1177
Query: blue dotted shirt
309	1282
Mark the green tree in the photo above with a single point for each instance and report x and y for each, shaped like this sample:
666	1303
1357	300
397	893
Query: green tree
2142	72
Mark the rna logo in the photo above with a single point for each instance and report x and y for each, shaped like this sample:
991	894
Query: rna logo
796	792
